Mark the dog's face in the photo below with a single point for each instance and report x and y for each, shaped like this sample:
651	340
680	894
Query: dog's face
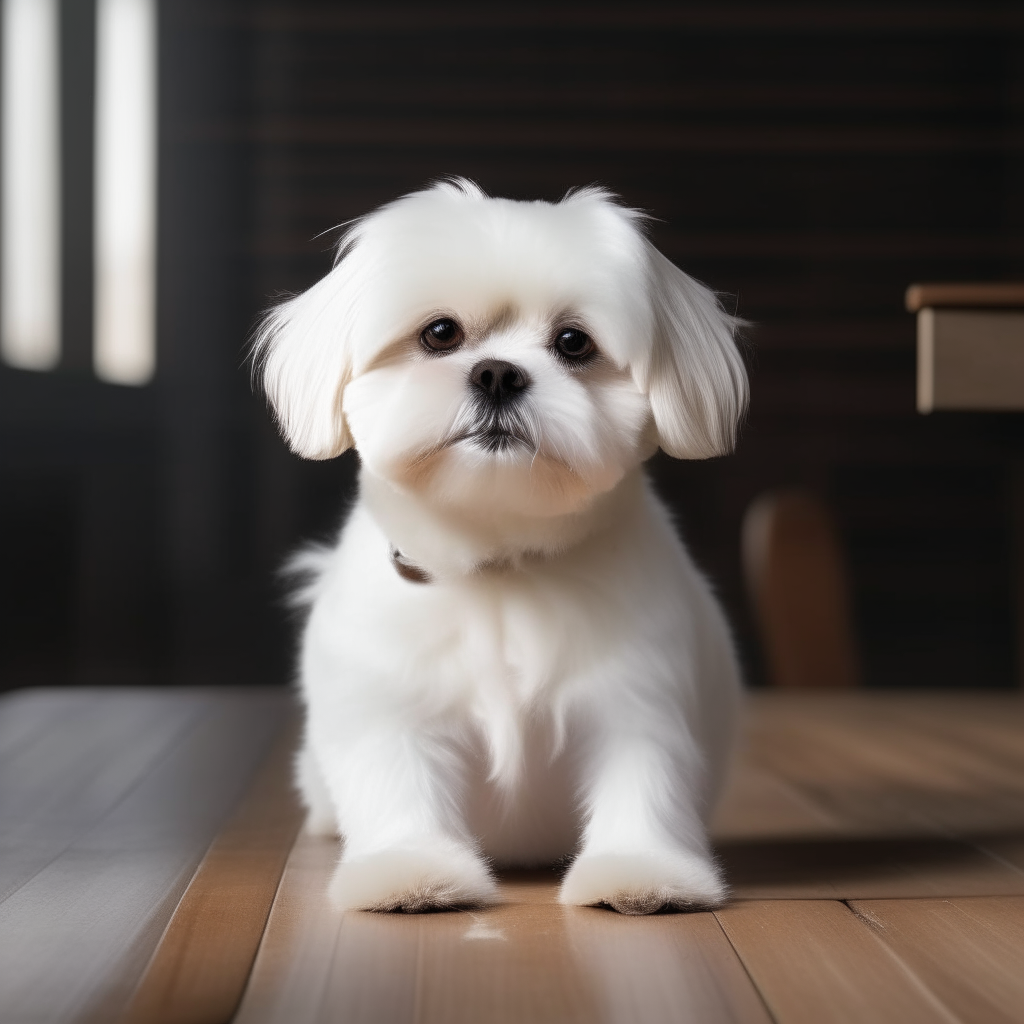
490	354
509	404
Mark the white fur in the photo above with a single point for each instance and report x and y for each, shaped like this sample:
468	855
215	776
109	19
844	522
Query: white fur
566	683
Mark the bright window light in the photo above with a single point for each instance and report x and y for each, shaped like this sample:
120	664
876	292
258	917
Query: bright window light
30	205
124	338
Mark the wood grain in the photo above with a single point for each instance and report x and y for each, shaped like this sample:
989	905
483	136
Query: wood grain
967	951
965	295
815	962
201	966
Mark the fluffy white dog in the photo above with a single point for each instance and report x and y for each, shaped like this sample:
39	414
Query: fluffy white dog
509	657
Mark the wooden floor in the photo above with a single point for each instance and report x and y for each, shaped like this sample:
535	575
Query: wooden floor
876	850
109	800
874	842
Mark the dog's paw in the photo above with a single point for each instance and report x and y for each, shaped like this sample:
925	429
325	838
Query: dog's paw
412	880
642	883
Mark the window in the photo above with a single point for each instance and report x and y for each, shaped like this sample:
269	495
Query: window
124	199
30	248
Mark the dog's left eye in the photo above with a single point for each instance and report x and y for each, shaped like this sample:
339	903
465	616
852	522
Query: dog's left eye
574	344
442	335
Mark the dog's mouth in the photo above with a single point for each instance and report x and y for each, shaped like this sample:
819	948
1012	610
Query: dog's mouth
495	435
492	439
499	431
498	439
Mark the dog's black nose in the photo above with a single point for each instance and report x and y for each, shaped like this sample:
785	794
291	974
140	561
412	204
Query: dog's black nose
499	380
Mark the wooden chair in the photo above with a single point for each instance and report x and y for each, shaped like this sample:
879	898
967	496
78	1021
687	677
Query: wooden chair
797	581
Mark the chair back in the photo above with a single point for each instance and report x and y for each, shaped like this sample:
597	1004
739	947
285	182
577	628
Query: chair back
797	582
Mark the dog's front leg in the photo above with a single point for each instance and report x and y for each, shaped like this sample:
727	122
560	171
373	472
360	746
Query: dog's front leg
398	797
644	844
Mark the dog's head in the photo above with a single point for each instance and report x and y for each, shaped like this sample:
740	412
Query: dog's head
483	352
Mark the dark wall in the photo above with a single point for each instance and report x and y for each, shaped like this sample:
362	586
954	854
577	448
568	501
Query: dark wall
811	161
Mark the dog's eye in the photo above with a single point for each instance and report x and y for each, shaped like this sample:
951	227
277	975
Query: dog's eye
442	335
574	344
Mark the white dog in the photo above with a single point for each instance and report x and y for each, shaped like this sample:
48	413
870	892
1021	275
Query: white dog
509	657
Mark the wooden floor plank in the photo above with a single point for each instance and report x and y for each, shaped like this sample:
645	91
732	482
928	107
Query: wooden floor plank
853	765
870	869
201	966
1007	850
992	728
26	714
667	968
79	759
292	974
970	952
903	778
934	741
759	804
858	796
906	750
75	938
816	962
507	964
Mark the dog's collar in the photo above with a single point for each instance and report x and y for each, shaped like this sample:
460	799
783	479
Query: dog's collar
408	569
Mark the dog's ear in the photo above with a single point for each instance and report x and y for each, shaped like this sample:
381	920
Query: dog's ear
696	380
302	359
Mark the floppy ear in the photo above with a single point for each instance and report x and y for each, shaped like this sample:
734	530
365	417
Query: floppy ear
696	381
302	360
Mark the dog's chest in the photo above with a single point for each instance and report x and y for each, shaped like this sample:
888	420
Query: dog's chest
511	644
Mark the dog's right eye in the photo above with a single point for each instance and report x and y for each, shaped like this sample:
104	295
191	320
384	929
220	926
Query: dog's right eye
442	335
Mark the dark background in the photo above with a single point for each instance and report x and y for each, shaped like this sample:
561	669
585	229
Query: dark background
811	160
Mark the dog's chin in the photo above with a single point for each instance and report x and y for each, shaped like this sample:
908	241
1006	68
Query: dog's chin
495	471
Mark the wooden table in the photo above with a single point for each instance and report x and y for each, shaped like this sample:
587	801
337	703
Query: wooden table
970	345
875	844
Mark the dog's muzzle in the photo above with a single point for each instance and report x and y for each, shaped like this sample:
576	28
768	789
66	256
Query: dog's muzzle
497	386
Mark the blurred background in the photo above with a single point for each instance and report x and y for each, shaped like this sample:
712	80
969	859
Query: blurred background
809	160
